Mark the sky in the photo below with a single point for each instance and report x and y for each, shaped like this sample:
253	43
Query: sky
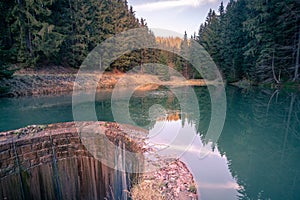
174	15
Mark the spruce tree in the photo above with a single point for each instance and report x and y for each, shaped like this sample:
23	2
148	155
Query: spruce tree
36	38
7	51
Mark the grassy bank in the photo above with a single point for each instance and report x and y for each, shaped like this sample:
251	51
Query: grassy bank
58	80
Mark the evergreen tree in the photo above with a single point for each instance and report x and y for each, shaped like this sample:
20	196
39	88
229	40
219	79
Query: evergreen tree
162	68
233	65
184	50
36	39
6	42
254	39
209	36
43	32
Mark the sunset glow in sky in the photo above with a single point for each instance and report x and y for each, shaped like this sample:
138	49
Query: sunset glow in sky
175	15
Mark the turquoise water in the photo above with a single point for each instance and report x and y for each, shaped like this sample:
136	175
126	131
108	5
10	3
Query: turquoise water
256	156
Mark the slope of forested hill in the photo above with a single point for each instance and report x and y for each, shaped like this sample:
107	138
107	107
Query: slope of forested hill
258	40
62	32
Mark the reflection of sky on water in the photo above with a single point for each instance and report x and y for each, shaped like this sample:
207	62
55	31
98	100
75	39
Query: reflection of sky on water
261	136
211	173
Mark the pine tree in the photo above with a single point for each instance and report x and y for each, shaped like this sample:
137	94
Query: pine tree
6	41
36	39
234	66
272	27
254	39
87	24
184	50
162	69
44	32
211	35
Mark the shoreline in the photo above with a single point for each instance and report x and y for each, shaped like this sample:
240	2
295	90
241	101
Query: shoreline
43	82
173	181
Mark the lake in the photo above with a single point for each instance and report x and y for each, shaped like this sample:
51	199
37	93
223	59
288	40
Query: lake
255	157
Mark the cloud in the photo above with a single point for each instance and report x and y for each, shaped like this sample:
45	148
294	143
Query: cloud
169	4
228	185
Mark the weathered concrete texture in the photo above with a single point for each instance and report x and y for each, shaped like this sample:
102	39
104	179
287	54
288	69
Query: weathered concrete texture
33	149
53	163
74	178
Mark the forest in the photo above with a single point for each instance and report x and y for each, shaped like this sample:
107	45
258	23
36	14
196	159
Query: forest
62	32
255	40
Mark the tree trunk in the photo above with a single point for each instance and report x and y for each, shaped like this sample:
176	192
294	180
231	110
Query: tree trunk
297	58
273	70
186	71
29	39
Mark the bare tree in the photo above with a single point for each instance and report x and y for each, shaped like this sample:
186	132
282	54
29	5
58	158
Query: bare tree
297	58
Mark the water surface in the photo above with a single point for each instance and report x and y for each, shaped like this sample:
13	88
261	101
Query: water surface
256	156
